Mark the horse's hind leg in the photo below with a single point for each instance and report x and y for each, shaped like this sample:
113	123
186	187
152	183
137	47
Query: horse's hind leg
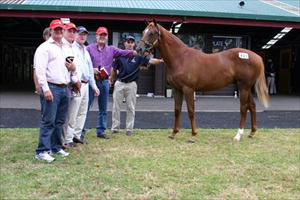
252	108
189	98
178	98
244	98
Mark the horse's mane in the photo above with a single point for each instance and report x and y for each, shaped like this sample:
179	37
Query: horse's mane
170	35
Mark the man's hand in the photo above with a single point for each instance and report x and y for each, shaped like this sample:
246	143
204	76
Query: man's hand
135	53
77	86
38	89
155	61
110	80
96	91
70	66
48	95
97	74
96	71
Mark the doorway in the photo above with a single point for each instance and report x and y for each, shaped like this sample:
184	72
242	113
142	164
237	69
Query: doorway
284	71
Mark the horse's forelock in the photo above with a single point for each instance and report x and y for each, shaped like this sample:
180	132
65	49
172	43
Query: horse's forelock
151	24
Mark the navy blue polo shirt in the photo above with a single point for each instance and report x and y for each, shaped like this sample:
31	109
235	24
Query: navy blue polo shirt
128	68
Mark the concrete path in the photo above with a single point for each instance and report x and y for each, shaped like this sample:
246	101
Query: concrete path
21	110
27	100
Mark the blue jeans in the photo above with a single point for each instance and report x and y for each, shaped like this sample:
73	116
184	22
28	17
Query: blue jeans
53	117
103	86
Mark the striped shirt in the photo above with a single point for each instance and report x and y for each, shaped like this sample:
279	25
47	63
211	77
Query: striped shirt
84	64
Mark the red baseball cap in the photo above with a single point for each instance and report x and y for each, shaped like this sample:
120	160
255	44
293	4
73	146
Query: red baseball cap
56	23
70	26
101	30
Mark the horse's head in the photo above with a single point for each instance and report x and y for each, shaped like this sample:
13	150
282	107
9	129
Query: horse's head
150	38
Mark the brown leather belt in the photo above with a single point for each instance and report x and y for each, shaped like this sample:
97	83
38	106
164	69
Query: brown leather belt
59	85
84	81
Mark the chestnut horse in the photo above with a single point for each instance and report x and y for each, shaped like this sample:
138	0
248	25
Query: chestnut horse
189	70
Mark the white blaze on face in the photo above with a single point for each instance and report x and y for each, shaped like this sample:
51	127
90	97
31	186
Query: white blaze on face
146	31
243	55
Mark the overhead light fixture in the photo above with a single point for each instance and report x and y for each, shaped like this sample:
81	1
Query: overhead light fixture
172	26
272	42
266	46
277	37
175	27
286	29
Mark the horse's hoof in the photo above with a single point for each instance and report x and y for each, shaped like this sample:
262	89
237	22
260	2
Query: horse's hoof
251	136
236	139
190	141
171	137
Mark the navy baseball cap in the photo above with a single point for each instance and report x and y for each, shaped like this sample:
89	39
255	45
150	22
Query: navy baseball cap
82	29
130	37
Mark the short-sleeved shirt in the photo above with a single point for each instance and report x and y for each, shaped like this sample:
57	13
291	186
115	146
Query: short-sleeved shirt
128	68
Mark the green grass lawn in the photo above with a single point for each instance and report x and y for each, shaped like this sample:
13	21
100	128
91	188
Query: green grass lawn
148	165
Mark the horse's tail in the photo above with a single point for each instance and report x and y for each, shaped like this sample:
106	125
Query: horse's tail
261	87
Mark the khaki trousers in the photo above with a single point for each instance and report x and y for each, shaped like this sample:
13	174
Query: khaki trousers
127	91
77	112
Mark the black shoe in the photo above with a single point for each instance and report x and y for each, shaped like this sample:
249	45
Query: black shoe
84	141
76	140
103	136
69	145
129	133
114	131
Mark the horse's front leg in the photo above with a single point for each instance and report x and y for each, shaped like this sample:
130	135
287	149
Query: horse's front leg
178	97
189	98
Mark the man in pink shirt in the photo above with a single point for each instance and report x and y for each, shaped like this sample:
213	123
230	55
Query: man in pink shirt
53	76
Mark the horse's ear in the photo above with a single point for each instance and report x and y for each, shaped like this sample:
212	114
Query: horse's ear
154	21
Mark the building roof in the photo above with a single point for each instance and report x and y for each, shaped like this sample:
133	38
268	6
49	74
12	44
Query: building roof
268	10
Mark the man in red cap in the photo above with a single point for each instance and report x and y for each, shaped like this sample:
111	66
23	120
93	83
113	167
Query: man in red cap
69	33
53	77
102	56
78	106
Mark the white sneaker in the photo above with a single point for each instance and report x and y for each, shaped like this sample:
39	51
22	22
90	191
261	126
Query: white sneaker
63	153
44	156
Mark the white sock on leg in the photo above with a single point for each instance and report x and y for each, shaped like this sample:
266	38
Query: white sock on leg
239	134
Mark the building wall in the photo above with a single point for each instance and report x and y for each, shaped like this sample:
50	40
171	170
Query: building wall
18	44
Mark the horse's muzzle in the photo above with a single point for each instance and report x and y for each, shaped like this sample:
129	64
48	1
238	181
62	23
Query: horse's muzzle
140	50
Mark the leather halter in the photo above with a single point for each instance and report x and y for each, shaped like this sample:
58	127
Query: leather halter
148	45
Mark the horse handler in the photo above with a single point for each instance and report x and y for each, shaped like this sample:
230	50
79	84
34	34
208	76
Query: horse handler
125	86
